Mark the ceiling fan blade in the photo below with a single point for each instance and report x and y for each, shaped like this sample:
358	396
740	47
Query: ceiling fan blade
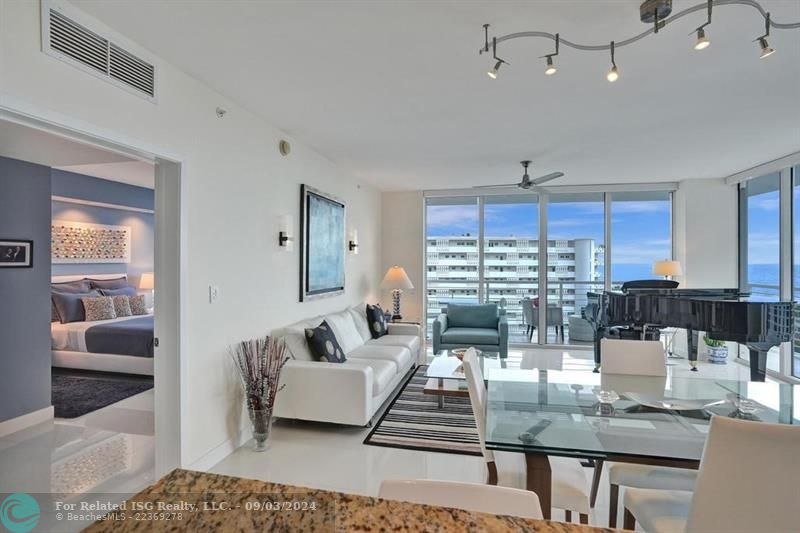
547	177
495	186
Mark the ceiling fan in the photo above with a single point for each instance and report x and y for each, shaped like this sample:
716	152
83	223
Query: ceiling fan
527	183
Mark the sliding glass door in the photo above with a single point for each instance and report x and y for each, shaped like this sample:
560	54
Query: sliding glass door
641	234
795	357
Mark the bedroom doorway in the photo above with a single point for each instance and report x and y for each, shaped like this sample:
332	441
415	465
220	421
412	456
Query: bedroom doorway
145	429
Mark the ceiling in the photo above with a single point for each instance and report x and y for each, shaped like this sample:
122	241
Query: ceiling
36	146
396	92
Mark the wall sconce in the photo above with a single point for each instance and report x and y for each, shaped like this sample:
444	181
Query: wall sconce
352	245
285	237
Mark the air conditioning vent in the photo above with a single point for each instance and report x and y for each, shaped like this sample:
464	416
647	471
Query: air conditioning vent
74	43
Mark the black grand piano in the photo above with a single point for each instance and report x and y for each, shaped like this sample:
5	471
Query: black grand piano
723	314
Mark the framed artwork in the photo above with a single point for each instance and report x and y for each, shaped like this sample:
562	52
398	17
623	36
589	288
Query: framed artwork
322	244
82	242
16	253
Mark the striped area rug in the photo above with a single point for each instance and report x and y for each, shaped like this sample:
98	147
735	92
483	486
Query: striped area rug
414	421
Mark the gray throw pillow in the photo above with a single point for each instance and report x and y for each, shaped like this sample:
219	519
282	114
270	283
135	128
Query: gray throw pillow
69	306
122	305
116	283
68	287
99	308
128	290
323	344
138	305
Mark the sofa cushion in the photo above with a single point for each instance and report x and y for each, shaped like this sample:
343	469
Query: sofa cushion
476	336
323	344
409	341
399	355
376	320
359	314
295	337
472	316
383	372
345	330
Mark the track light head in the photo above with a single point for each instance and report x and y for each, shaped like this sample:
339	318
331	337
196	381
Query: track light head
702	41
493	73
613	74
766	49
551	68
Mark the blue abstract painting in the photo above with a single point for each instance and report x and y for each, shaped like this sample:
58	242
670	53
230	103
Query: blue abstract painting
324	246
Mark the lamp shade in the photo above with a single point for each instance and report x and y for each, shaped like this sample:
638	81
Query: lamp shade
147	281
396	278
667	268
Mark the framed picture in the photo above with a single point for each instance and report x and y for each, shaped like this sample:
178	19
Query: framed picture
322	244
16	253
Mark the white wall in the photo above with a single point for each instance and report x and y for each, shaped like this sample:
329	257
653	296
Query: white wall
402	224
236	185
706	233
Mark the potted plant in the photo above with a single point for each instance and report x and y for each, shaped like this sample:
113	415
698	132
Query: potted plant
717	350
259	362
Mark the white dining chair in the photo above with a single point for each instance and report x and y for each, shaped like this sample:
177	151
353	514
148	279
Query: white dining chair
635	366
569	490
467	496
748	481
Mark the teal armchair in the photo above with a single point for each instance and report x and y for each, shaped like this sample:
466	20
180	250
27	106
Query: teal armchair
483	326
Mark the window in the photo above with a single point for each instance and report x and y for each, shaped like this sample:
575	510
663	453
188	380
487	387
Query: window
759	226
796	268
641	233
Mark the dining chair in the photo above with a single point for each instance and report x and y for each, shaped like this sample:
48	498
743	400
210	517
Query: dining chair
467	496
748	481
569	488
527	316
635	366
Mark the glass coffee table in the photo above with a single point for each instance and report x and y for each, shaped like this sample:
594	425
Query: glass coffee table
446	376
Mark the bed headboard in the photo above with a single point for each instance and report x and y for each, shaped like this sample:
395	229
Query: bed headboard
78	277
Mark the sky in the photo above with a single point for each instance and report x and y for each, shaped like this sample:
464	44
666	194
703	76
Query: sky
640	229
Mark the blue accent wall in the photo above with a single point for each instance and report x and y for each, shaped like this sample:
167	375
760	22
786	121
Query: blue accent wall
25	292
142	225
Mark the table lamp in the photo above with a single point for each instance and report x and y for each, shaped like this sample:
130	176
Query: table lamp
667	268
147	282
396	279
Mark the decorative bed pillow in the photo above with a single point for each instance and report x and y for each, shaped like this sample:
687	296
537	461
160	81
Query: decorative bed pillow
69	306
128	290
122	305
99	308
323	344
377	321
68	287
138	305
116	283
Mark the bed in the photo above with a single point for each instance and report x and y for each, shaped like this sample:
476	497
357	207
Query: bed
122	344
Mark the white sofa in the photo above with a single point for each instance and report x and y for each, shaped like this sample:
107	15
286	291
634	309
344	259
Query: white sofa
350	392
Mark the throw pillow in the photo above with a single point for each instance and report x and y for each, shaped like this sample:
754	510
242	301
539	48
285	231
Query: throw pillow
69	287
128	290
101	308
377	321
138	305
69	306
116	283
323	344
122	305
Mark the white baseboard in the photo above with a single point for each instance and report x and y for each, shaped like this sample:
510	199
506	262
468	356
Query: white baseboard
220	452
25	421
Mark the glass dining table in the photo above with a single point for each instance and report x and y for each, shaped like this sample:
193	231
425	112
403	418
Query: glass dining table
642	419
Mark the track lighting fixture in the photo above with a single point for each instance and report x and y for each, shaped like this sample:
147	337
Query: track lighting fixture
766	49
613	74
493	73
702	41
657	14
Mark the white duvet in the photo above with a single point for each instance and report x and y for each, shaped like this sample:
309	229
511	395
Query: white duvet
72	336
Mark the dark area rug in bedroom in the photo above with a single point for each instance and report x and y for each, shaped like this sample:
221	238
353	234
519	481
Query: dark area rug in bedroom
75	394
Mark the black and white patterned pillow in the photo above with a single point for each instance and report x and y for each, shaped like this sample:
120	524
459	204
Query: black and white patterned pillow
122	305
101	308
377	321
323	344
138	305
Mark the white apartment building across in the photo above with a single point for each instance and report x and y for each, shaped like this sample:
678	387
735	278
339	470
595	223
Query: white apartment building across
511	273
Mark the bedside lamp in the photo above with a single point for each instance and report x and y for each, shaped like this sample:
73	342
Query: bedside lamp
396	279
147	282
667	268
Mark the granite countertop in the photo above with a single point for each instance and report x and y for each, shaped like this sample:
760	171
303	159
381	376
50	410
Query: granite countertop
210	502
